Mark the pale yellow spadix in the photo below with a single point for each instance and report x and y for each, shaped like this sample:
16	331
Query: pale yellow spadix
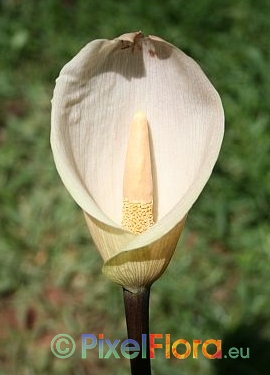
137	182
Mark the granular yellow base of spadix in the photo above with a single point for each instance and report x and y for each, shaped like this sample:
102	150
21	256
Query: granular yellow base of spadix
137	217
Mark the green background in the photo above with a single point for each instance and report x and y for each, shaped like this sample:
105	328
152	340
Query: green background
217	285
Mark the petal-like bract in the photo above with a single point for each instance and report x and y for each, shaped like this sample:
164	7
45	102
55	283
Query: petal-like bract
95	98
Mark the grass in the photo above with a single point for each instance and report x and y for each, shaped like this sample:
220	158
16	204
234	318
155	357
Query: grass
217	285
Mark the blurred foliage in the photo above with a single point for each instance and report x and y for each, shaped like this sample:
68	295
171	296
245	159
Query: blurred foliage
50	279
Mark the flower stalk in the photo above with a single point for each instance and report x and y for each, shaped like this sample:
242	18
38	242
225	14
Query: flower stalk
137	319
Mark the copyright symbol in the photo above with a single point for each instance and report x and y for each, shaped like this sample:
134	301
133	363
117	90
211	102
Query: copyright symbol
64	345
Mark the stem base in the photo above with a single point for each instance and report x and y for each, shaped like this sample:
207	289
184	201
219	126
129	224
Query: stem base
137	319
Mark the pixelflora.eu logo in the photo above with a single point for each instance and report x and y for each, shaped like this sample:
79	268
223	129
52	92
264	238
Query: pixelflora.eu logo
63	346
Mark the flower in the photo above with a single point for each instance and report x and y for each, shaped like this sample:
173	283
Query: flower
95	99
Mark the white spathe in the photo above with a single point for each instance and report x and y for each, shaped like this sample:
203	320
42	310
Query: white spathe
95	98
